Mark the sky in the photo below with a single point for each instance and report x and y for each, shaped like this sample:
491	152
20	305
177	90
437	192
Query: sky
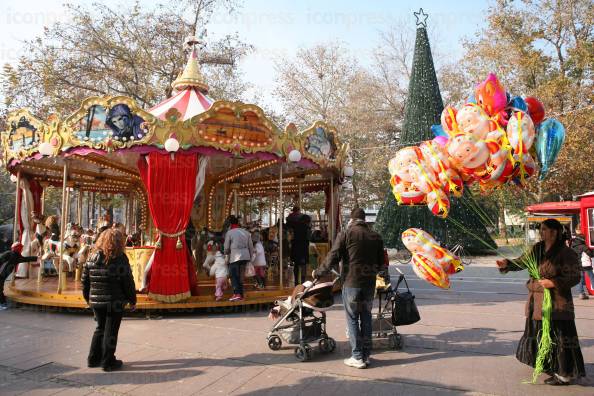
277	29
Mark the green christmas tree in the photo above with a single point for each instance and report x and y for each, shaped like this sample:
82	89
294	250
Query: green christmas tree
423	109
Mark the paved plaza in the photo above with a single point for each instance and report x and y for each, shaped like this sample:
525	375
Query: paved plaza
464	345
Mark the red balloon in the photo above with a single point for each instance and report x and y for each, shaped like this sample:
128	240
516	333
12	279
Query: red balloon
535	109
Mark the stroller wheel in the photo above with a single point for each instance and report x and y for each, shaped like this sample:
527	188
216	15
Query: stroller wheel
303	353
274	342
325	345
396	342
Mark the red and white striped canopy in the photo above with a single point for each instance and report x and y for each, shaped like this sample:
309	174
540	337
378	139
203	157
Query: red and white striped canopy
189	102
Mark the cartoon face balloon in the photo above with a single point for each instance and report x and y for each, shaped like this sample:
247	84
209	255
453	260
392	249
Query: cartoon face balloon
448	120
438	203
490	95
430	271
473	120
467	152
418	241
401	164
520	132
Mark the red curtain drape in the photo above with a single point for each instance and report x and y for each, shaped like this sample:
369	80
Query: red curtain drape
170	183
36	191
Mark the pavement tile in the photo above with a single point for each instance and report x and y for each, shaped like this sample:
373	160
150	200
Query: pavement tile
264	381
230	383
290	382
193	382
84	391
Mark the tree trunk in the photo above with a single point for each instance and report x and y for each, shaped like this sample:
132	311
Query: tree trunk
355	193
502	225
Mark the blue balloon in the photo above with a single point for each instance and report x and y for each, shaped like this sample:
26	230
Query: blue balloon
549	140
517	103
437	130
471	99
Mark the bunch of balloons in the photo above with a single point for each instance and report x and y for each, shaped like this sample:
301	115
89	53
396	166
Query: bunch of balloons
430	261
423	175
491	140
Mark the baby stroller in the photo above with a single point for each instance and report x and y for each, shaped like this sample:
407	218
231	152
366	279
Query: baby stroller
382	325
300	319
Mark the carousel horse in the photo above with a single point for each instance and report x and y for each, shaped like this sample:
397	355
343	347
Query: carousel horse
68	251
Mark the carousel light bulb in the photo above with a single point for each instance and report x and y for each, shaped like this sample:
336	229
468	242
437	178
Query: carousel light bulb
46	149
295	156
13	178
172	145
348	171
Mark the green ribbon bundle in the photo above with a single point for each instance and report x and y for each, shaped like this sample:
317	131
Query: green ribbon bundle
545	342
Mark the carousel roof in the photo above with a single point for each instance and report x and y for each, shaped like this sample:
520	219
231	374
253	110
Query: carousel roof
188	102
191	98
115	127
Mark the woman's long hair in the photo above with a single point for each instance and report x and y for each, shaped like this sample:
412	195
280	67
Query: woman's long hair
559	241
111	243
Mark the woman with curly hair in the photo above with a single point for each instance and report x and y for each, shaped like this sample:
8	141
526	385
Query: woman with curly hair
108	286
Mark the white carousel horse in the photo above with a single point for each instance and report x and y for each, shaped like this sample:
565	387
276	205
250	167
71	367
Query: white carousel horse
68	251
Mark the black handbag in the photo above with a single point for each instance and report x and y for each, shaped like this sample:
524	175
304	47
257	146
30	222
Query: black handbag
404	309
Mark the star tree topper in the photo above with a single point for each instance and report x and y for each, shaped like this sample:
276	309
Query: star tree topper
421	18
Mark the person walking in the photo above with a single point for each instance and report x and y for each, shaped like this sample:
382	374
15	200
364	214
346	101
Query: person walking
259	261
8	262
362	253
238	245
559	270
108	286
219	270
585	255
299	224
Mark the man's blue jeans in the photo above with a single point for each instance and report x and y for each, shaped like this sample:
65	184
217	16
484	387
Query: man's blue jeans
582	284
357	306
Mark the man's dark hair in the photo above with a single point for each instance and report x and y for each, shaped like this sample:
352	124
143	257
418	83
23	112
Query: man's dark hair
296	208
358	214
233	220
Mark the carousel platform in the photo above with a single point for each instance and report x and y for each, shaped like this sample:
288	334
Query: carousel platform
30	292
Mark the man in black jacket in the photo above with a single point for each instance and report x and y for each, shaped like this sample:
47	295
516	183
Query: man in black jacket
362	253
8	263
585	254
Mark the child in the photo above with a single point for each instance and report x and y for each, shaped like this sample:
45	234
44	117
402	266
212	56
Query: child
259	261
211	248
219	270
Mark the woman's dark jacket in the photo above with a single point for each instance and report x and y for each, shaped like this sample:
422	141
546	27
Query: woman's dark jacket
108	283
562	266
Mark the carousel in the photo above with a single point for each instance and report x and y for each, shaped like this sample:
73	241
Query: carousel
168	176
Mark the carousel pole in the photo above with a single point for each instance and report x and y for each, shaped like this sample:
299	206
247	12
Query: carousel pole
92	210
17	208
270	211
61	278
133	212
43	201
17	216
280	226
300	197
79	208
42	212
332	218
